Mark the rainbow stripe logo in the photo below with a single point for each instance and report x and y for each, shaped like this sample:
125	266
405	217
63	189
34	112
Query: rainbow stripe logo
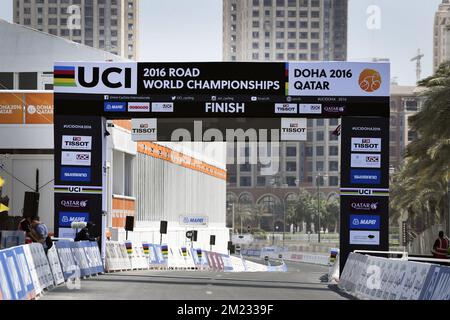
64	76
286	84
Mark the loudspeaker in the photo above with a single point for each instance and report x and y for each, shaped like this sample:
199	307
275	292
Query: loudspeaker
212	240
194	235
129	223
31	204
230	245
163	227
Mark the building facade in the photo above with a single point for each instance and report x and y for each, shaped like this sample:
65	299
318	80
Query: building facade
288	30
109	25
441	34
150	181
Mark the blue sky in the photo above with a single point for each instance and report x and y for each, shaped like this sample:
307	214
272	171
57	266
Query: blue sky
191	30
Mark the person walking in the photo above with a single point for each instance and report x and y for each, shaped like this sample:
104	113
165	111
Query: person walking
440	246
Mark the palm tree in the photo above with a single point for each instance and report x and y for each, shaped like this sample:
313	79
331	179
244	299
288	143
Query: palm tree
419	189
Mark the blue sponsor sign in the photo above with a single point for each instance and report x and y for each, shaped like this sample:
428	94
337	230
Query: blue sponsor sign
115	106
77	174
365	222
365	176
66	218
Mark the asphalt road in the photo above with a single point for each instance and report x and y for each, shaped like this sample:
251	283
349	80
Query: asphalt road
301	282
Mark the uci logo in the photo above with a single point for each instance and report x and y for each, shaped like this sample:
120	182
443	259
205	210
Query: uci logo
113	77
75	189
365	191
96	78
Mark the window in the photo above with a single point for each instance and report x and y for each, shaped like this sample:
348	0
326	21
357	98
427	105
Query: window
315	14
333	150
267	3
260	181
333	122
333	181
267	45
280	56
319	122
291	166
303	14
52	10
292	14
291	45
308	151
246	167
53	21
319	165
28	80
309	166
303	45
280	35
245	181
319	151
255	56
280	13
280	45
291	151
6	80
319	136
255	24
303	35
332	136
315	24
292	35
292	3
255	13
333	166
255	45
290	181
303	24
309	136
279	24
292	24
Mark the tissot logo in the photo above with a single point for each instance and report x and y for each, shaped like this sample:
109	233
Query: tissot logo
366	144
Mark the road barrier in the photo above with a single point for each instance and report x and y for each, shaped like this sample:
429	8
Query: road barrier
138	258
377	278
116	257
26	271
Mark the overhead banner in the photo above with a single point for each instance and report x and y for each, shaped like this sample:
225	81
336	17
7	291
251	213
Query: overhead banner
354	79
26	108
223	89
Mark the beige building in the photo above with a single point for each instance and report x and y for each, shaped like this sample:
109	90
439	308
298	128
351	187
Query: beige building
441	34
110	25
405	102
287	30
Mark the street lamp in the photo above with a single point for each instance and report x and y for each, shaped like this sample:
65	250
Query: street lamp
318	203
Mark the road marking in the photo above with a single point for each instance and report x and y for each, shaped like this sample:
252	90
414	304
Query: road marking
208	292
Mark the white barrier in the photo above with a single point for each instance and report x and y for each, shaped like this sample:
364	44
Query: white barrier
39	267
305	257
136	255
117	257
55	265
376	278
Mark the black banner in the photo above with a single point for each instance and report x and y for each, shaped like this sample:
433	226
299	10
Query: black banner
364	222
78	172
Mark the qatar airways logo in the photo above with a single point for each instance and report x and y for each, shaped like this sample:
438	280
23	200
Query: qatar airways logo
364	205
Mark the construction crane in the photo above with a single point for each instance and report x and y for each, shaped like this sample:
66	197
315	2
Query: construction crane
418	58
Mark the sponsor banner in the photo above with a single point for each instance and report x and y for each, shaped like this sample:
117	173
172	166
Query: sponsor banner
115	106
364	192
371	238
365	160
285	108
76	142
365	222
162	107
78	189
38	108
437	284
66	218
99	78
67	233
143	130
310	108
11	108
366	144
138	106
293	129
365	176
76	174
76	158
339	79
334	110
75	203
364	205
194	220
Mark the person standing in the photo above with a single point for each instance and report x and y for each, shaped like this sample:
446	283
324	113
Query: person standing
440	246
